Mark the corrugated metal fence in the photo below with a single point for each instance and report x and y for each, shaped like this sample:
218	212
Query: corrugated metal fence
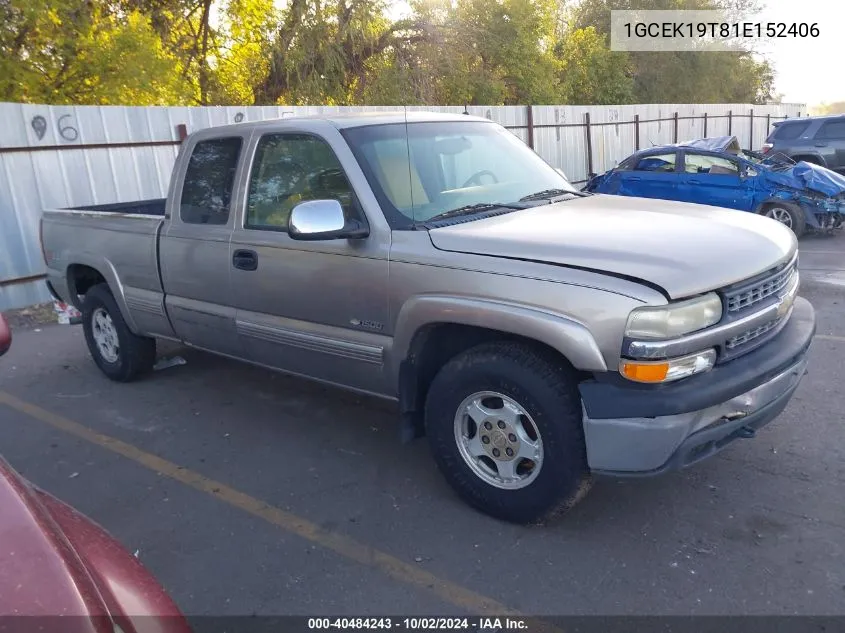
61	156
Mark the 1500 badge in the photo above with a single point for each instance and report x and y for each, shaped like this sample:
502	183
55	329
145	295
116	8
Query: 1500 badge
369	325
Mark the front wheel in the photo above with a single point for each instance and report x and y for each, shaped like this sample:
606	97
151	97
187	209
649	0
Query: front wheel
789	215
120	354
505	426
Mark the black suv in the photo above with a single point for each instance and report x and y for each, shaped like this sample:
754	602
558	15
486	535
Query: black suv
819	140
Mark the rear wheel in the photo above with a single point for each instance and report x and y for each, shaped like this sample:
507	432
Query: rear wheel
505	426
787	214
120	354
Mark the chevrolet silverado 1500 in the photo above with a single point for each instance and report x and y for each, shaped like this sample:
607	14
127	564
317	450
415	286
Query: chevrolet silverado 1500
535	334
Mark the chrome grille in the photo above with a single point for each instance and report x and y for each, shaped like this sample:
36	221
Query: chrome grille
750	335
768	287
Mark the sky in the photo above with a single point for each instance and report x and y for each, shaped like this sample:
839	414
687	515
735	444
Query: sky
807	70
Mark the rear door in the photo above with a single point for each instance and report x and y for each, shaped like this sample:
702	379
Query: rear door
194	251
651	176
794	138
715	180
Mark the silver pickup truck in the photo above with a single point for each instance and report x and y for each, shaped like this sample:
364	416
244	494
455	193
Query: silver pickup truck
537	335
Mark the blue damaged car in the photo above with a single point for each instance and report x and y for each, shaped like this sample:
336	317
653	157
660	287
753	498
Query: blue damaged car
715	171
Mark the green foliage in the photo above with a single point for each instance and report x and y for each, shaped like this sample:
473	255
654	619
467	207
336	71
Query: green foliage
64	51
685	77
590	72
351	52
837	107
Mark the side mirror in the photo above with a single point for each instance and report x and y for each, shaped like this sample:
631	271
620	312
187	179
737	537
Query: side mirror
323	220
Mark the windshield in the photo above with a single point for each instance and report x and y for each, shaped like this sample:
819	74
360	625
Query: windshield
422	170
775	162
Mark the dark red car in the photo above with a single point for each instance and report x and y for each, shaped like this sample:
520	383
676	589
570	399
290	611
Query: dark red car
5	335
68	572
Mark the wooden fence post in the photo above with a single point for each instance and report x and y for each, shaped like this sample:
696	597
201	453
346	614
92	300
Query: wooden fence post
730	122
589	144
705	125
675	133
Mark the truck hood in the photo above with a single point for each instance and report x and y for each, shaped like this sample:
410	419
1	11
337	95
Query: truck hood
685	249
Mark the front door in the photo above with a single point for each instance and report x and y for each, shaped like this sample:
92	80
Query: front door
314	308
652	176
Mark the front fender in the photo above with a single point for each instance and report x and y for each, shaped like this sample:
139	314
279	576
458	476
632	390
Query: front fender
568	336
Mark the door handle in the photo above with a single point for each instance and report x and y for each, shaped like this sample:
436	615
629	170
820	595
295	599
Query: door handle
821	144
245	260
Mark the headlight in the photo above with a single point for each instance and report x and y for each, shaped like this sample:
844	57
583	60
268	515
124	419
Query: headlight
675	319
668	370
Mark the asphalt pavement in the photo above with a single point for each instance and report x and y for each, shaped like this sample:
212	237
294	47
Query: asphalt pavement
249	492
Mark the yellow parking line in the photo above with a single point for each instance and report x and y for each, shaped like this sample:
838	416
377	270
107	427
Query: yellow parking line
472	602
830	337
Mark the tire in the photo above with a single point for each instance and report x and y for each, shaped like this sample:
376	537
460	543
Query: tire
787	214
120	354
544	388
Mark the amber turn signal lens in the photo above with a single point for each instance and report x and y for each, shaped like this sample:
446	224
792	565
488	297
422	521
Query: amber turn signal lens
668	370
645	372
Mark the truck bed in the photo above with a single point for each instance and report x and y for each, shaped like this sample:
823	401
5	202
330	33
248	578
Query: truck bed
119	241
139	207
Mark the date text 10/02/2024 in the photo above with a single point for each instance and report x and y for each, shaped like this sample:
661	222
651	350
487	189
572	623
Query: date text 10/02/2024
485	624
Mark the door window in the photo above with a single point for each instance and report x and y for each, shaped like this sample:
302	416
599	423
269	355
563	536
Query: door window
289	169
659	163
209	179
703	164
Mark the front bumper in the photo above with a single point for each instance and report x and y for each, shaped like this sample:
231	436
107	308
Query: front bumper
639	430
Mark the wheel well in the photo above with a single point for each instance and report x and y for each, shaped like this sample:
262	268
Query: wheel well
81	279
808	158
768	204
431	348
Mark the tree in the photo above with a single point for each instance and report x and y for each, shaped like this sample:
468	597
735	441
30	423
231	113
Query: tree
66	51
321	49
243	62
592	74
837	107
345	52
685	76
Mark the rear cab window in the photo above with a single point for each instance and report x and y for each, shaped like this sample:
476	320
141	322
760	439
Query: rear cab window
209	181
